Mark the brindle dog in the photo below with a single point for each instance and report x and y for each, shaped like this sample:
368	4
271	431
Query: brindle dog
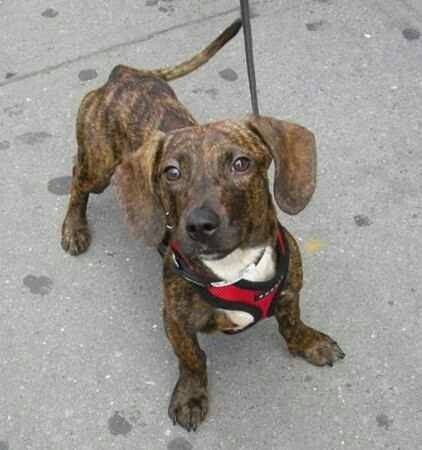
208	186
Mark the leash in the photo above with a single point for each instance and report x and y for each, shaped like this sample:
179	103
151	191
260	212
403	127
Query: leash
247	31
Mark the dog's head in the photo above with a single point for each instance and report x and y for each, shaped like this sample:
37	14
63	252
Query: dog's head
210	184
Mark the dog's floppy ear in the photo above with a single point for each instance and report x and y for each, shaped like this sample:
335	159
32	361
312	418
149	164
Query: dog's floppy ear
134	182
293	150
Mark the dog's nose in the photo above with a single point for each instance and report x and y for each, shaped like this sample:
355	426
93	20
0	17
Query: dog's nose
201	224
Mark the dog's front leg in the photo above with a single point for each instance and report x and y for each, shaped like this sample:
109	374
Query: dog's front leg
189	401
302	340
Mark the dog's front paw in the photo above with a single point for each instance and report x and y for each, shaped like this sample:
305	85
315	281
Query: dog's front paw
75	237
188	404
317	348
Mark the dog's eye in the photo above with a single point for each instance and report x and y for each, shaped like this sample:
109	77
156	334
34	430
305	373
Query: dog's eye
241	164
172	173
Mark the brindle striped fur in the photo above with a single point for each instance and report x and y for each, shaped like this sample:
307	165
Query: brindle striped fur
132	127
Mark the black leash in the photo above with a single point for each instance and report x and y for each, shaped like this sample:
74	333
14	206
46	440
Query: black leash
246	22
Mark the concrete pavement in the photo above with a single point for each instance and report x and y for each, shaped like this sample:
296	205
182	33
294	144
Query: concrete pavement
84	363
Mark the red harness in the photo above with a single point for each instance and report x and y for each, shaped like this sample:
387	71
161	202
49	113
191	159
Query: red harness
254	297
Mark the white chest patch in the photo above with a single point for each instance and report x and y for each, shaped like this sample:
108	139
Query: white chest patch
240	265
241	319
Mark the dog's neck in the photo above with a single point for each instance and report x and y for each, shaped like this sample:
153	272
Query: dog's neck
253	264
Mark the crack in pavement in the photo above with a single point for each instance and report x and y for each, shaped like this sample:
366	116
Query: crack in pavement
113	47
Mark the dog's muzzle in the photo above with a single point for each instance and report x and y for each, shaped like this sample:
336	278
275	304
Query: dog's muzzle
202	224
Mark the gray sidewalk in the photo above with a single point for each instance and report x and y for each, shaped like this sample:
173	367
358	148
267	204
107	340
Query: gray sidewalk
84	363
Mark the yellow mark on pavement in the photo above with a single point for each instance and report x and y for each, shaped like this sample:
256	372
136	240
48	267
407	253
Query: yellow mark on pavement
313	246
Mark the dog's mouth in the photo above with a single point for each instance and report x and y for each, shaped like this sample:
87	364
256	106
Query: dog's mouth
210	254
213	249
214	256
205	252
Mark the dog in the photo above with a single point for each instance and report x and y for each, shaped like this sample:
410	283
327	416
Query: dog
200	193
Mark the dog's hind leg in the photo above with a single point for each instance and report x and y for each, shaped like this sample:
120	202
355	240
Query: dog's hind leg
92	171
75	232
76	236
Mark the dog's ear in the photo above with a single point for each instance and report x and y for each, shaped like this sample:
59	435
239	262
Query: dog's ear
135	184
293	150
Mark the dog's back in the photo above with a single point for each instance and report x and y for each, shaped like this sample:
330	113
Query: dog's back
120	115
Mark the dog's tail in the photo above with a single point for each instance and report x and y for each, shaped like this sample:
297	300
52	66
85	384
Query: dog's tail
186	67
